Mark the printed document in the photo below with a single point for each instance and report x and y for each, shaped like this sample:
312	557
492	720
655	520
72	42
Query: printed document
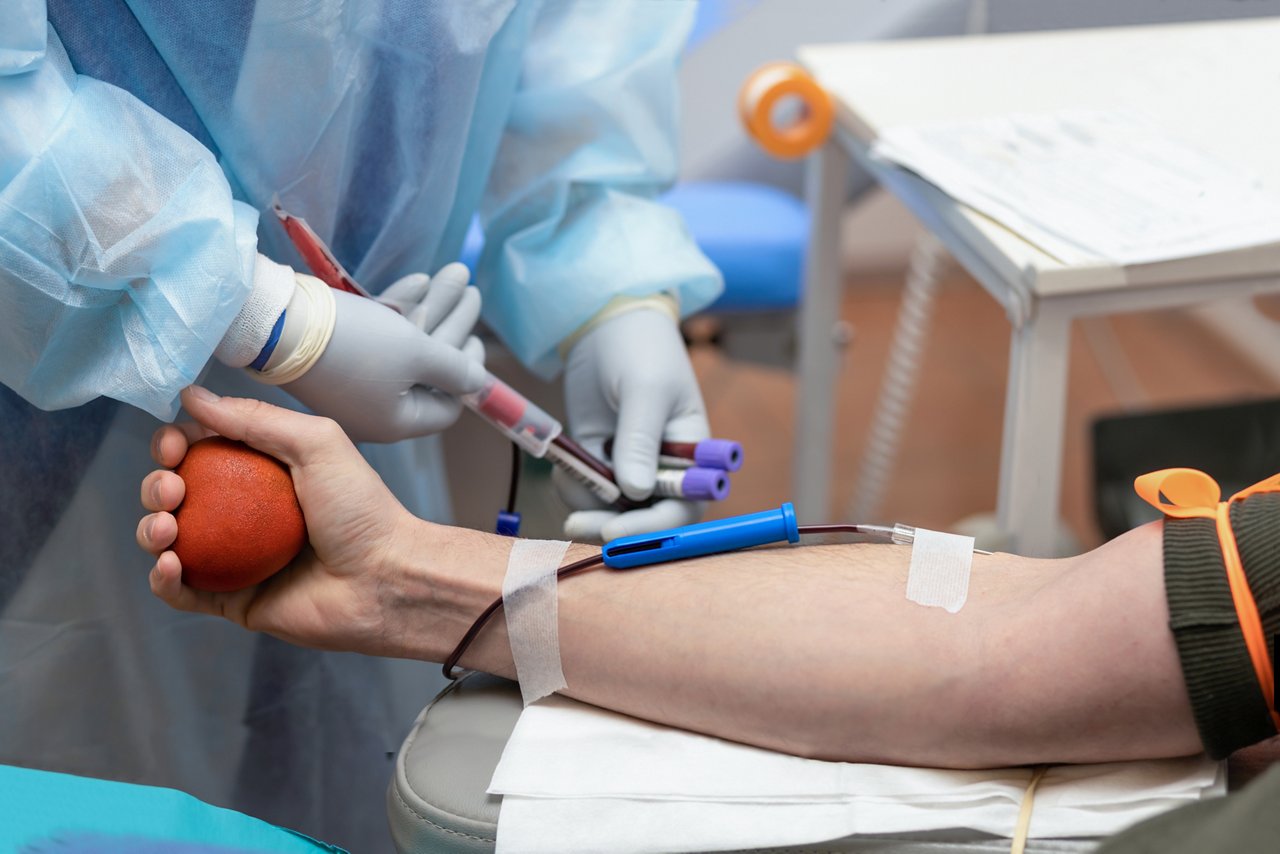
1090	187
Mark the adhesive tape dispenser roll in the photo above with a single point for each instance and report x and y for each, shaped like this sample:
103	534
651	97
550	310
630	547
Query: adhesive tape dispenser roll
762	92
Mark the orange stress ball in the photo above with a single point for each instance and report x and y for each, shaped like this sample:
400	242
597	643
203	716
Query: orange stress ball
240	522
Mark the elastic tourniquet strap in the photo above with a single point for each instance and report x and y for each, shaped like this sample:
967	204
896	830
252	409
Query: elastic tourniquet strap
1189	494
1022	832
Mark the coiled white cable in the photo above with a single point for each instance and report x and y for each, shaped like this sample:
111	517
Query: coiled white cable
901	371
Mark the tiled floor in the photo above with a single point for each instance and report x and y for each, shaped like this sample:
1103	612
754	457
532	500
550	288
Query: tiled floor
949	454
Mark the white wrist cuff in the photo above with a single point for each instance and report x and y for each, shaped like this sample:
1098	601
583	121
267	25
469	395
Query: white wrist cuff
273	286
621	304
312	315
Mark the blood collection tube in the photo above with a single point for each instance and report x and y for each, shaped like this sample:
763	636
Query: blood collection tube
540	435
580	470
519	419
692	484
723	454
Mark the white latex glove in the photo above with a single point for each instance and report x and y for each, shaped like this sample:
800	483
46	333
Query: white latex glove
630	378
386	376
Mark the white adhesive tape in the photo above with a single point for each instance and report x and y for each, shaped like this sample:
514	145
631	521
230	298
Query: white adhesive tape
531	606
939	571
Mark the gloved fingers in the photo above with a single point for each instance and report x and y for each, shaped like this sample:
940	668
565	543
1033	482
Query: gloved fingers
474	349
156	532
688	426
573	493
642	422
405	294
585	526
447	287
429	411
447	368
457	325
602	526
668	513
162	490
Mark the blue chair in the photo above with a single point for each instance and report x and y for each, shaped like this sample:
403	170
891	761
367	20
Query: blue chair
754	233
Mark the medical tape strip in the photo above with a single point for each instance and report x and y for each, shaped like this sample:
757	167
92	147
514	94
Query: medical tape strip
530	603
939	572
321	318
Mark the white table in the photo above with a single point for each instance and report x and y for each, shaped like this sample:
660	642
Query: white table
1213	85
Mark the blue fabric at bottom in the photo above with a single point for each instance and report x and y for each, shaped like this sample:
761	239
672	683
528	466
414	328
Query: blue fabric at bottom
42	813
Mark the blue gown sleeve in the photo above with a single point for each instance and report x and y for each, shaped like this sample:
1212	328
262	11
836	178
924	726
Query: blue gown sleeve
22	35
123	258
570	212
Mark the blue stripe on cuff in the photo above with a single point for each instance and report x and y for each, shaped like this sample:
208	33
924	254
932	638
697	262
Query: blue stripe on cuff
270	347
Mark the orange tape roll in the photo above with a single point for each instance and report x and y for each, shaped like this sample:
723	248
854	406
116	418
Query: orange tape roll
761	93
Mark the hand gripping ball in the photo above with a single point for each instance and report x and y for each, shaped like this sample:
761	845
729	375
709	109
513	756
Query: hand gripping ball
239	522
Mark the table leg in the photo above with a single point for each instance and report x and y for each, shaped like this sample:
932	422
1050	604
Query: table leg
826	180
1031	453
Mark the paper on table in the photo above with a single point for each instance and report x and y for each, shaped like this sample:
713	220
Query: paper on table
577	778
1089	186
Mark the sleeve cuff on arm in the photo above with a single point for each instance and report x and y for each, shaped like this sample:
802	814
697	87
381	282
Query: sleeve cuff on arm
1230	709
273	286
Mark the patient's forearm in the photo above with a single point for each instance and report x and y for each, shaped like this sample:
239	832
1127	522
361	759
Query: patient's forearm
817	650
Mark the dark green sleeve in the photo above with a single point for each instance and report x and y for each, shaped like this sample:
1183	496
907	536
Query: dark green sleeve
1241	823
1229	706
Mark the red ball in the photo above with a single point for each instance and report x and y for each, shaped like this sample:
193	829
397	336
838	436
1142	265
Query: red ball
240	522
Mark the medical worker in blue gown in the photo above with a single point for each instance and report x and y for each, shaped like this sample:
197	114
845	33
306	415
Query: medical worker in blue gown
141	145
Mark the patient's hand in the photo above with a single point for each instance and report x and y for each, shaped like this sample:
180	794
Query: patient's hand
340	591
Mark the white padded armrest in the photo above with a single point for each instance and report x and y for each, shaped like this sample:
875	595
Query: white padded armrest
438	803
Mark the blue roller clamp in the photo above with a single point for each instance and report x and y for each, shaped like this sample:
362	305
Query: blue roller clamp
704	538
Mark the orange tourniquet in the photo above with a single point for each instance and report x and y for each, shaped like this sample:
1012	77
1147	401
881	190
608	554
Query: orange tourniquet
1187	494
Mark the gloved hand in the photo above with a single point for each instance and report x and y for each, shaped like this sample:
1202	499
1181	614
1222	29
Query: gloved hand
630	378
386	376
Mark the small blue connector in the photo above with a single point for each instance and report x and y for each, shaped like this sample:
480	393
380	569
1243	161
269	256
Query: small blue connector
704	538
508	523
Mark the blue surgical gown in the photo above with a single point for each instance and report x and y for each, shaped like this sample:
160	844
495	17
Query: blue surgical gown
141	143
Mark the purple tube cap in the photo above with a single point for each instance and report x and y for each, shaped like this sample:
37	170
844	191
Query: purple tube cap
704	484
723	454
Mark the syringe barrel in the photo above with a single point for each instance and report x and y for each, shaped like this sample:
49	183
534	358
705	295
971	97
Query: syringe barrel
522	421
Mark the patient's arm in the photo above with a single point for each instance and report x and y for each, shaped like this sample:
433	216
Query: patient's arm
810	650
817	651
